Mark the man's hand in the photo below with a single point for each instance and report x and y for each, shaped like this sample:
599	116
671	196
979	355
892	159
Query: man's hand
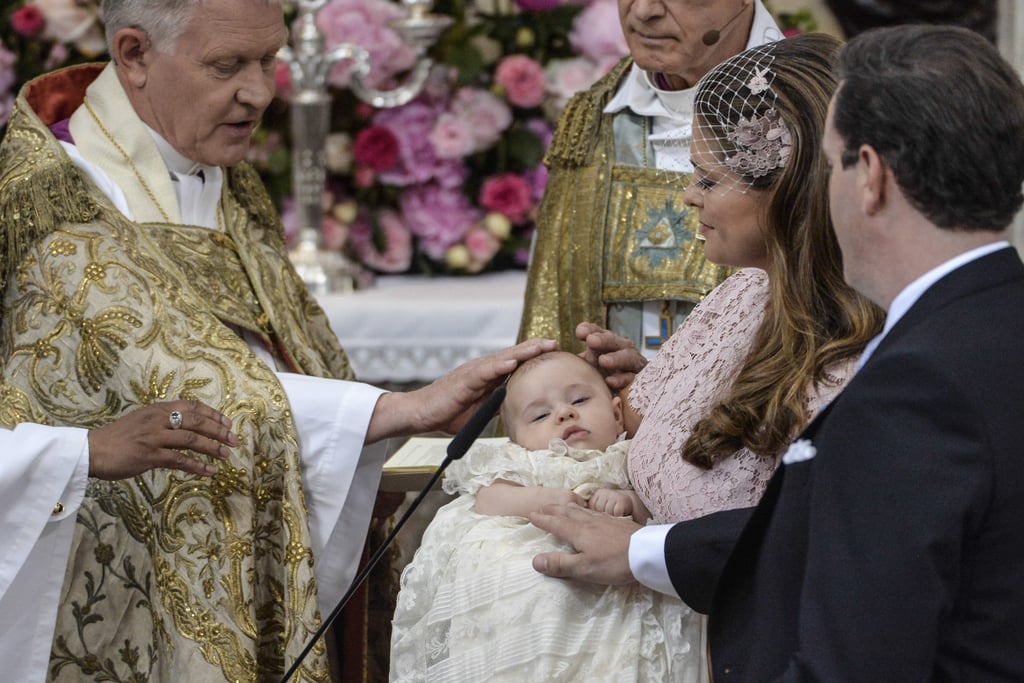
447	403
614	355
601	542
144	439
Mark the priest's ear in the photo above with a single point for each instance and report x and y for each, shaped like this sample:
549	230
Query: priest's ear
131	51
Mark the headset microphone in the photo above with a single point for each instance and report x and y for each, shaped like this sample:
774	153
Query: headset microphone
711	37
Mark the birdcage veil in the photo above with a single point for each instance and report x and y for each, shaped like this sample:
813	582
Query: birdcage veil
739	137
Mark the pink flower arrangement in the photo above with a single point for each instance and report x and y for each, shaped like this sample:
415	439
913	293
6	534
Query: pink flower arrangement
450	181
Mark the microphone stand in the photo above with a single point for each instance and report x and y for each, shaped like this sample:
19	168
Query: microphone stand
460	443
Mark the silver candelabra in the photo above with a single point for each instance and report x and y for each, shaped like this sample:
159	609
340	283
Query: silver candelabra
309	66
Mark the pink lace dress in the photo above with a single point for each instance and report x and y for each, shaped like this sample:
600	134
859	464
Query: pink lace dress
689	374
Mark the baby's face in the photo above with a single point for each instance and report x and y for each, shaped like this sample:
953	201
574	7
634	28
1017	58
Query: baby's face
562	398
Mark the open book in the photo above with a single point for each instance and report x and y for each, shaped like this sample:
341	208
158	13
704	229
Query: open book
411	467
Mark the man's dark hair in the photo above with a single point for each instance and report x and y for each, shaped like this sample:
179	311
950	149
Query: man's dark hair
946	113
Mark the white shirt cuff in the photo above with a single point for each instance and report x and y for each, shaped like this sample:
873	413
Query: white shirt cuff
647	558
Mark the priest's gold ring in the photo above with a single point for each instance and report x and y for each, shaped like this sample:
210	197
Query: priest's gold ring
175	419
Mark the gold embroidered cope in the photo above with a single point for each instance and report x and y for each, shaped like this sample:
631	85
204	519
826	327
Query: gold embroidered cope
171	577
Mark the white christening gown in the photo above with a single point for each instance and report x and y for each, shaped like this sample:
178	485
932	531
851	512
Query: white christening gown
471	607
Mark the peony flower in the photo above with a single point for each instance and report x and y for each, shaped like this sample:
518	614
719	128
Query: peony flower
522	78
597	32
451	137
417	162
28	21
508	194
484	116
392	253
376	147
438	216
77	23
366	23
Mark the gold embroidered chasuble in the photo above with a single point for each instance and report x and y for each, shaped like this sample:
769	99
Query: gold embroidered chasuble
172	577
611	228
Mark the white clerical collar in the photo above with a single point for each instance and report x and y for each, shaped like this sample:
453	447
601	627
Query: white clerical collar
177	163
639	93
909	295
196	186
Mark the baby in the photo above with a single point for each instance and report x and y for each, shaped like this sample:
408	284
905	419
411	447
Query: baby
559	396
472	608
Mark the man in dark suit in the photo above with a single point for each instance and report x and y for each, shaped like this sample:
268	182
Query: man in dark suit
889	546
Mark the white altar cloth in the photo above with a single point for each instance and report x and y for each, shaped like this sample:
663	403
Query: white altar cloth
415	329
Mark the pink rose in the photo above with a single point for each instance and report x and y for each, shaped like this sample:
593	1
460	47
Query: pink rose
377	148
508	194
28	21
482	245
394	253
523	80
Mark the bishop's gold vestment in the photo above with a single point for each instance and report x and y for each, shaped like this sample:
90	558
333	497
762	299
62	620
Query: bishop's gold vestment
171	577
611	228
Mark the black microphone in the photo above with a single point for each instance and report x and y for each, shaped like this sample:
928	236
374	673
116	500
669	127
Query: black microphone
457	448
712	36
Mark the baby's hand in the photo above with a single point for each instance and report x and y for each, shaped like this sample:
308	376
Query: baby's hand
557	496
612	502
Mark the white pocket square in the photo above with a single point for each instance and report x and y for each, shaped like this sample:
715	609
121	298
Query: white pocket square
799	451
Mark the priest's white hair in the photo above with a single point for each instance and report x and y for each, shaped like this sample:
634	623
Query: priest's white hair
163	20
